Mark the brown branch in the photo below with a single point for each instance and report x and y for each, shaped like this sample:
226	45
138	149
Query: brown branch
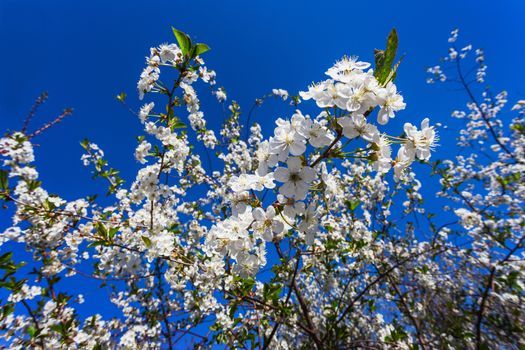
35	321
161	296
487	289
304	308
482	113
277	323
65	113
377	280
39	101
415	323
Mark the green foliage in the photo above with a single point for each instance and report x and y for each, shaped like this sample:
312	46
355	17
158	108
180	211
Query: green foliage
176	123
32	331
3	180
85	144
520	128
105	235
189	50
183	39
121	97
201	48
398	334
4	185
385	70
146	241
246	285
352	205
272	292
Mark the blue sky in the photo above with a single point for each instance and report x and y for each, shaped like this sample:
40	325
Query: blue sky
86	52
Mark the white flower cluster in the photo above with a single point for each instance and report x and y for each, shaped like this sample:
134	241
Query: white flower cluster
165	54
356	91
93	156
298	239
456	54
284	158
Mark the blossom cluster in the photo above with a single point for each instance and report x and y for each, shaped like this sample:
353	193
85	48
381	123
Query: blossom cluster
298	239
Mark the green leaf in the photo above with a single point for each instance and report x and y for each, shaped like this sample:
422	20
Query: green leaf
102	230
233	308
352	205
201	48
33	185
384	59
391	50
112	232
85	144
247	285
57	328
183	39
379	56
393	72
484	346
518	127
146	241
5	258
3	180
7	310
31	331
4	186
121	97
178	125
96	244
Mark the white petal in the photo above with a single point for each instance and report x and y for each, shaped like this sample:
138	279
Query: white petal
281	174
258	214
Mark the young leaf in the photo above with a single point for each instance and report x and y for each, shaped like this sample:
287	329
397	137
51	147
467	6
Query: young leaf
112	232
85	144
354	204
31	331
379	56
391	51
102	230
393	72
183	39
4	259
201	48
121	97
3	180
146	241
96	244
384	59
178	125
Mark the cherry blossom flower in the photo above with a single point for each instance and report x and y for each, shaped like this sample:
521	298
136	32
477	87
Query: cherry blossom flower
267	224
286	141
420	142
343	69
357	125
296	178
391	102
